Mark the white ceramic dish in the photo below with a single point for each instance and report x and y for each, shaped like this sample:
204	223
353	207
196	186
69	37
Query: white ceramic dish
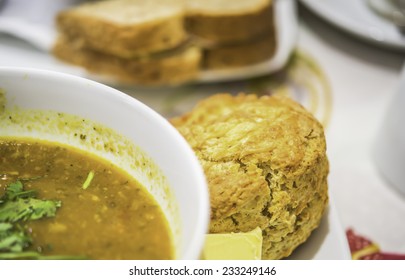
145	137
15	20
357	18
389	150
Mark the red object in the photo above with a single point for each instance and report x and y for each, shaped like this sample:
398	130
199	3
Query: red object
362	248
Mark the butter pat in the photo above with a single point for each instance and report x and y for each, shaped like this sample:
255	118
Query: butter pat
234	246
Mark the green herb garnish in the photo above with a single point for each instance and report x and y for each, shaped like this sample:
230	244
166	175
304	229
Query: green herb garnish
12	239
89	178
17	206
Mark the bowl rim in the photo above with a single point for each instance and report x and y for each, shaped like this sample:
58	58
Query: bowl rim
198	238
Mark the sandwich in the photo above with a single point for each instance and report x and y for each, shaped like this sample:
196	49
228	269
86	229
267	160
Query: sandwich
132	41
125	28
167	42
232	33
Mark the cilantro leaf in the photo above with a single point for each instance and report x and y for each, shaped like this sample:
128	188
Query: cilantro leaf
27	209
16	190
12	239
16	206
4	227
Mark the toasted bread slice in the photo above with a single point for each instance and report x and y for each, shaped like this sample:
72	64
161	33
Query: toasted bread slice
125	28
240	54
172	67
222	21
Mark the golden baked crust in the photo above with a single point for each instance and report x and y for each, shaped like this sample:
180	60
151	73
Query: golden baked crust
125	28
224	24
177	66
241	54
266	165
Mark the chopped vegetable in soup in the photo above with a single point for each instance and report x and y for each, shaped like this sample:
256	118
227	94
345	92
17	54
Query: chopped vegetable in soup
76	206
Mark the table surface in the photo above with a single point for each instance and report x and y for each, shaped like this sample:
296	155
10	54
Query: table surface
362	79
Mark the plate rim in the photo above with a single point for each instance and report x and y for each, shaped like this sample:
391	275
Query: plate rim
324	11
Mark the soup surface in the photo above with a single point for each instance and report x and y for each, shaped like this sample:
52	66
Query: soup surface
104	213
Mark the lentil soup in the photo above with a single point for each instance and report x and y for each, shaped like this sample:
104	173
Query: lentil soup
104	212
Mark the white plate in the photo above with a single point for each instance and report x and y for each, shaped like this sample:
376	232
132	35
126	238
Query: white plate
357	18
19	21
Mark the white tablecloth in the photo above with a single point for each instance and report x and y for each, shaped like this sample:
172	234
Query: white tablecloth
363	80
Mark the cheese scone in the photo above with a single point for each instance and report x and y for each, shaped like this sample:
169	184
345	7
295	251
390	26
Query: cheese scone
266	165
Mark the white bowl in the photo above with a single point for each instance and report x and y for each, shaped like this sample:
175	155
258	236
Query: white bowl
178	184
389	150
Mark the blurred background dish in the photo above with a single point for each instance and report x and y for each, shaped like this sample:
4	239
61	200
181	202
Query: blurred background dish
389	150
357	18
18	20
393	10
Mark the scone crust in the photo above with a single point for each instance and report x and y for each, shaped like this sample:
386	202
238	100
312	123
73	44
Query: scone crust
266	165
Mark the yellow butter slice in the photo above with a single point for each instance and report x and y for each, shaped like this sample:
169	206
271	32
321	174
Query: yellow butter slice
234	246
